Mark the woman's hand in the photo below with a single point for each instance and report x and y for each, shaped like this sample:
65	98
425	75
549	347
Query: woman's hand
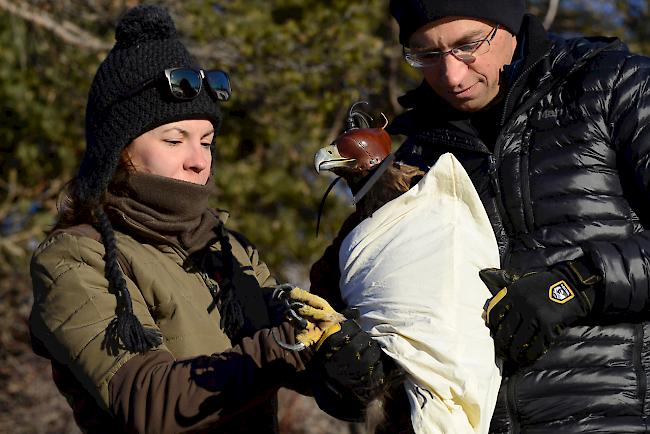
321	319
348	369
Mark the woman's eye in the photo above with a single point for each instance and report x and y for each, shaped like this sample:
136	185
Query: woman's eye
207	144
172	142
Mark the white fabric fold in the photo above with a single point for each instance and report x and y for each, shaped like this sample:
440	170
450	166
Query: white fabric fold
411	270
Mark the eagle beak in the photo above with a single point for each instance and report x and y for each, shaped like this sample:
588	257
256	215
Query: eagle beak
328	158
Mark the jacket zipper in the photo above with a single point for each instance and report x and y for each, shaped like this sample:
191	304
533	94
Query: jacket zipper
494	180
527	205
511	406
638	364
525	181
494	163
495	160
509	94
496	189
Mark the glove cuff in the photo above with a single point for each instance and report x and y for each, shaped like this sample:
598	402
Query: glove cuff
580	272
583	276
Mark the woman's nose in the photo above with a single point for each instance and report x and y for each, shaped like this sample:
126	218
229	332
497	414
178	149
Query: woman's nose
198	158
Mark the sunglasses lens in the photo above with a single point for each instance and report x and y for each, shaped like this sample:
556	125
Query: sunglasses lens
184	83
219	82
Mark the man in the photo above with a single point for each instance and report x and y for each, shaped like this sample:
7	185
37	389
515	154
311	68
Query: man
553	133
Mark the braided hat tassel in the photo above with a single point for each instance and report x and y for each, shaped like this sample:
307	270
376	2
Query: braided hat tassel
232	315
125	327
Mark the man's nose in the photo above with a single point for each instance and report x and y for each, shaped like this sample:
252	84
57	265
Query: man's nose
452	71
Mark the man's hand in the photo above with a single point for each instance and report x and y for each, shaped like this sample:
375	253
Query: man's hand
529	312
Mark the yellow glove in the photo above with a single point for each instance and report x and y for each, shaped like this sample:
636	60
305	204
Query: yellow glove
322	319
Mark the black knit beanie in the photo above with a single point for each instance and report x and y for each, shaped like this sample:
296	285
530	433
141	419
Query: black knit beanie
120	108
413	14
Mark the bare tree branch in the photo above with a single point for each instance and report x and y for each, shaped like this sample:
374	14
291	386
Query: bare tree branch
66	30
338	124
393	65
219	52
553	6
222	53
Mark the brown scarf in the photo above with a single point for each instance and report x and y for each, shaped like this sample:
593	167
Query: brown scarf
177	210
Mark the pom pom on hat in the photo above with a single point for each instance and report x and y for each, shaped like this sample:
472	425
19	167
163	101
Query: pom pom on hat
144	23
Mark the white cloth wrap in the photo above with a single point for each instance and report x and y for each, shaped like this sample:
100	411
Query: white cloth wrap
412	272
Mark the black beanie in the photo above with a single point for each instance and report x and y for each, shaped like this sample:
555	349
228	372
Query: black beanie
146	43
413	14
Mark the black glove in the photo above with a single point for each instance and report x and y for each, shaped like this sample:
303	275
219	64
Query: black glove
348	371
529	312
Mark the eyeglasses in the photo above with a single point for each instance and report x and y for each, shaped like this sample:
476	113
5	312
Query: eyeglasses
466	53
186	83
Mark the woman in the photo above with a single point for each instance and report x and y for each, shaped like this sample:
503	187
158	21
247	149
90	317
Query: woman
152	313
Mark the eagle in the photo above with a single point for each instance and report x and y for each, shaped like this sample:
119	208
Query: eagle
412	270
361	155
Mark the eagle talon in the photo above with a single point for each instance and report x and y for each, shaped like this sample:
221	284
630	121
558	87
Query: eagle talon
301	322
281	293
291	347
296	305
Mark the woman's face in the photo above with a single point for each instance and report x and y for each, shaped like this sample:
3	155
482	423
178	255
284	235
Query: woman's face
178	150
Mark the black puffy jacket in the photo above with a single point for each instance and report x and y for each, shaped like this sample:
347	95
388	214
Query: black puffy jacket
569	176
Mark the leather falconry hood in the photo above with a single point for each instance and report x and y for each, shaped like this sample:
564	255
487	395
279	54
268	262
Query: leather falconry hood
358	149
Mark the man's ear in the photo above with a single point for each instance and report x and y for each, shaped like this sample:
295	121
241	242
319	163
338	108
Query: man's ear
513	41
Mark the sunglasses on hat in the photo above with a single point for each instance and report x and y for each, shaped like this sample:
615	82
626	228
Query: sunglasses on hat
186	83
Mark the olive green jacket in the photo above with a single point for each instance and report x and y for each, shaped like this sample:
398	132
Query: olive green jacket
174	387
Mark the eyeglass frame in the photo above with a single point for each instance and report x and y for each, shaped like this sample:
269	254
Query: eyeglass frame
470	58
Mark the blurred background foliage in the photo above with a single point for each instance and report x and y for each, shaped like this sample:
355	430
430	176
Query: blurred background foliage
296	66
